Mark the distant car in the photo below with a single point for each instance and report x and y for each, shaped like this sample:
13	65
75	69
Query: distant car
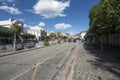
74	40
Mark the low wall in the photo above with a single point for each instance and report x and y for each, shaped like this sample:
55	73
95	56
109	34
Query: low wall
9	47
5	48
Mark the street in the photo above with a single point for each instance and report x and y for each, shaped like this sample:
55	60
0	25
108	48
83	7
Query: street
39	64
60	40
66	61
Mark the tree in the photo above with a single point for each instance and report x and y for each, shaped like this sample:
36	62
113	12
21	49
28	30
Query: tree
59	35
64	37
16	29
105	18
5	33
28	36
53	35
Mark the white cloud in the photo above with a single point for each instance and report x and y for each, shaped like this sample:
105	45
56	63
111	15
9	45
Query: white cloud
62	26
50	8
6	2
3	2
21	19
41	24
11	1
10	10
26	25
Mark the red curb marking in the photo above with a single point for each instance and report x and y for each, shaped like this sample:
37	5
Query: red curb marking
72	61
68	70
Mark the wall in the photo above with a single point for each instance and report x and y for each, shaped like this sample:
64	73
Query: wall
113	39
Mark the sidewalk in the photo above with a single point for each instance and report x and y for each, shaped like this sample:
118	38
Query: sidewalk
17	52
37	46
92	64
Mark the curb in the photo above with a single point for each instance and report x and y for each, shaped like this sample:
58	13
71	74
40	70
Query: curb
24	50
17	52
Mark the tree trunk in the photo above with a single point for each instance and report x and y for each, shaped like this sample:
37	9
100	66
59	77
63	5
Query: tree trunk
107	44
14	47
102	44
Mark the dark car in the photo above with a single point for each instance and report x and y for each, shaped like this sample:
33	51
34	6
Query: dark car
74	40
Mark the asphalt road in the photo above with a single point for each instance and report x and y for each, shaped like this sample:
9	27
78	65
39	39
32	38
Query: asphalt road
39	64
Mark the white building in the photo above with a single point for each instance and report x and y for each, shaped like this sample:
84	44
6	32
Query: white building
37	31
82	35
9	22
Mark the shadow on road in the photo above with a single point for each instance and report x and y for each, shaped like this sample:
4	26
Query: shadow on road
105	60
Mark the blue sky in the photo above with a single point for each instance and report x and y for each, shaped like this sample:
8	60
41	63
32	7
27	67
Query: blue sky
55	15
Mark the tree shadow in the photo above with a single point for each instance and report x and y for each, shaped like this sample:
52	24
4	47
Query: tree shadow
105	60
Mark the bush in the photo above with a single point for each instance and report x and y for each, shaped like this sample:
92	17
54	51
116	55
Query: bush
46	42
59	41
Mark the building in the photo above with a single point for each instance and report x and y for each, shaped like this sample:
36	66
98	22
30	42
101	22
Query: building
6	39
5	24
37	31
9	22
66	34
82	35
76	36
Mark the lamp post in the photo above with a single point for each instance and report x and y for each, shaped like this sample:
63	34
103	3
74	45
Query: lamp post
22	41
14	44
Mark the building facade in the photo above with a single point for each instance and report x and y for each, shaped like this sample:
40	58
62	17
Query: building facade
37	31
5	24
82	35
9	22
6	40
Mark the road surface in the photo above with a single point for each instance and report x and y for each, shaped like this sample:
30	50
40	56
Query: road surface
39	64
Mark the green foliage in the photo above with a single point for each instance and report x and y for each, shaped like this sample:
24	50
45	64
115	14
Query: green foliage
46	41
52	35
105	17
65	37
59	35
59	41
5	33
42	38
15	28
28	36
